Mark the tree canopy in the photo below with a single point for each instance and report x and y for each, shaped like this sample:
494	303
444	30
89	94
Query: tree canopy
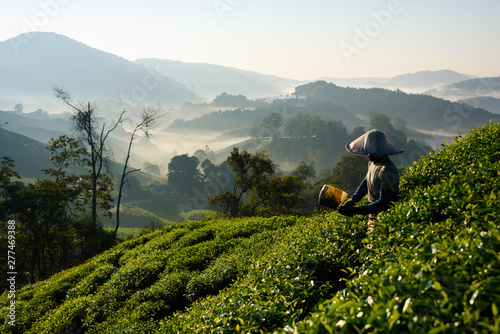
257	189
183	174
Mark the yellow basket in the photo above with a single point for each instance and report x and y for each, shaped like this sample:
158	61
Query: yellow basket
331	197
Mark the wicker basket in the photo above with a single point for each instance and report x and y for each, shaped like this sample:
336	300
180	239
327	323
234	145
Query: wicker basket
331	197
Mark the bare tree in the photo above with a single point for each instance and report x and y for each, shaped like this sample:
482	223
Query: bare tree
87	126
149	120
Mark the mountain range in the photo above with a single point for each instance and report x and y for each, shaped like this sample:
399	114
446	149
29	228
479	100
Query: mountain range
415	82
209	80
33	63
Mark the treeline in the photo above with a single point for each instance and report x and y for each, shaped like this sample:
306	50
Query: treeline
320	141
245	184
243	116
54	226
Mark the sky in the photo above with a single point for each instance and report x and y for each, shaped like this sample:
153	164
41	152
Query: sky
303	40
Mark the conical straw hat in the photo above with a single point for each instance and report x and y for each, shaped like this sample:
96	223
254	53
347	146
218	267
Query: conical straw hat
331	197
373	142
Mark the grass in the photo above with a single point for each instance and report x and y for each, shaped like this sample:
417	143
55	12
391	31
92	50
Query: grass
127	232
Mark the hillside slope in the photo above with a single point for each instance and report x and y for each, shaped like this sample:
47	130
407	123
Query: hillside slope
38	127
30	156
431	265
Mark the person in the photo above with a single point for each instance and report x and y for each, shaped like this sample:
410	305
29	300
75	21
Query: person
381	182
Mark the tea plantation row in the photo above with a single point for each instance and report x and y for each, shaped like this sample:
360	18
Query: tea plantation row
431	266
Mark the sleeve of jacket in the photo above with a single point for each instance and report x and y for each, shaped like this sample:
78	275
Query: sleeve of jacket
383	203
361	191
388	194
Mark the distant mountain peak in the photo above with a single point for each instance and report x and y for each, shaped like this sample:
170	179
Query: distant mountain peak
33	63
210	80
428	78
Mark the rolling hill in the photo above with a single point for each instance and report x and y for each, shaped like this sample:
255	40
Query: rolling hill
422	112
30	156
472	88
353	106
38	126
485	102
42	127
231	119
431	265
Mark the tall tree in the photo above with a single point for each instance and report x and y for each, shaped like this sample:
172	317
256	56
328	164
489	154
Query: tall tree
66	154
70	169
183	174
248	170
304	171
86	125
149	120
217	177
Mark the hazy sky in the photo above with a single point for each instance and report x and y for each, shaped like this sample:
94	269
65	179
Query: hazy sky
294	39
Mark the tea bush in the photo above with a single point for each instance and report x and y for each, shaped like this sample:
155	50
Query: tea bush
140	281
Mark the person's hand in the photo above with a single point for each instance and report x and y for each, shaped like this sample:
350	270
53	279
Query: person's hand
350	202
347	210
